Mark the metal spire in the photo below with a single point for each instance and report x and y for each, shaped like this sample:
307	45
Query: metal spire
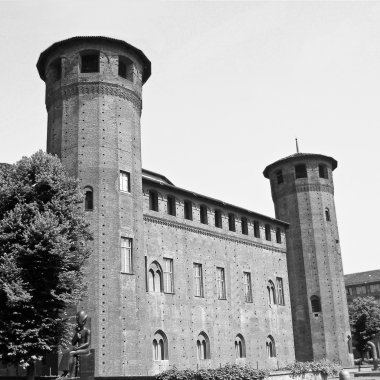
297	145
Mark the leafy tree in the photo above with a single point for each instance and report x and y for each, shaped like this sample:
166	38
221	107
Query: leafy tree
43	247
364	315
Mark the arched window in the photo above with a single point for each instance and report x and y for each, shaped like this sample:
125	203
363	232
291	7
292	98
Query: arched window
88	199
203	346
271	347
160	346
239	347
327	214
271	293
155	277
349	344
89	62
315	304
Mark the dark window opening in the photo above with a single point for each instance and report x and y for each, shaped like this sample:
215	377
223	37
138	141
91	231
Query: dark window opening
56	69
322	171
203	214
125	68
244	226
90	63
218	218
327	214
89	200
278	235
171	205
268	232
279	176
153	200
301	171
188	210
256	229
315	304
231	222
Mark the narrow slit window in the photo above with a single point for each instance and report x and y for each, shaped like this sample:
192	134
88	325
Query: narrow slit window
153	200
90	62
247	287
198	280
126	255
221	283
218	218
300	171
327	214
171	205
89	200
231	222
188	210
203	214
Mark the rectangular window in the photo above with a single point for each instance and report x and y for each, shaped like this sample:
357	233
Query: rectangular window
221	283
247	287
373	288
168	276
125	68
278	235
349	291
171	205
280	178
361	290
153	200
218	218
231	222
126	255
198	280
300	171
90	63
268	232
203	214
280	291
125	182
322	171
256	229
188	210
244	226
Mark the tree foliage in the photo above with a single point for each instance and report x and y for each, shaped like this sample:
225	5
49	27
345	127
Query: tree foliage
364	315
43	247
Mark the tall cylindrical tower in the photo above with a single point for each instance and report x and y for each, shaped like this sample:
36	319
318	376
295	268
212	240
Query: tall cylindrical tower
93	100
303	195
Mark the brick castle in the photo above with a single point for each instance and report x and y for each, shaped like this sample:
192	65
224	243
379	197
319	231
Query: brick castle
179	278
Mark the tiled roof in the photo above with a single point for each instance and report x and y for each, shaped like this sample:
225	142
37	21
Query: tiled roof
266	171
45	54
362	277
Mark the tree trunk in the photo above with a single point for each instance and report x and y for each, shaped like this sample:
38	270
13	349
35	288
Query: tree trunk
31	371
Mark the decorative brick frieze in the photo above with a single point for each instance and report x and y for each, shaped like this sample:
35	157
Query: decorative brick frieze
94	88
202	231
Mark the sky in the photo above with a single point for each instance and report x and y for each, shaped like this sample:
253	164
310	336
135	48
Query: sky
233	84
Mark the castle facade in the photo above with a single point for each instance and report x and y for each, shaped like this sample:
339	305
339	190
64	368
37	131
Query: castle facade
179	278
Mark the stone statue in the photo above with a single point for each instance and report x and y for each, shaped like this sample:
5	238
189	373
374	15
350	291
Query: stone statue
80	346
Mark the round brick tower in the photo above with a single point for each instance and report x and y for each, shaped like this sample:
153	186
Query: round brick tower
93	100
303	195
